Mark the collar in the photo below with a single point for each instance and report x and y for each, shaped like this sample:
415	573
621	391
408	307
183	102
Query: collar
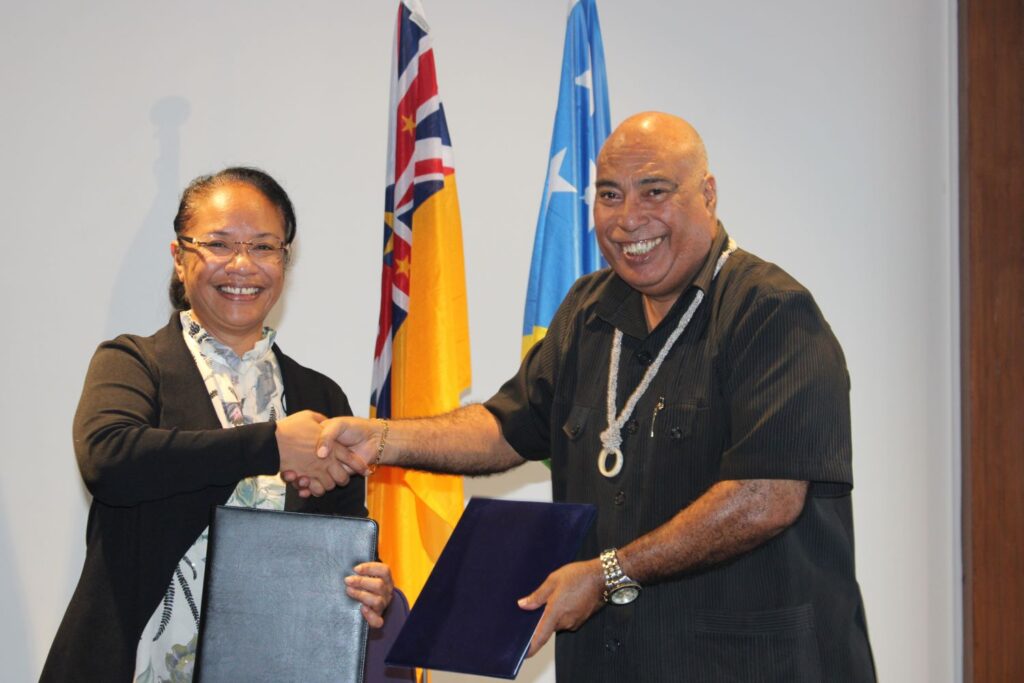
622	306
217	351
179	378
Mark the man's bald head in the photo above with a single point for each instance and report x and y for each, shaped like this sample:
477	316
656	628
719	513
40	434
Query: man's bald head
655	129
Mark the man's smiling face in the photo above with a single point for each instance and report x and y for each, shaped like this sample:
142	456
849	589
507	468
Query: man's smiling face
655	208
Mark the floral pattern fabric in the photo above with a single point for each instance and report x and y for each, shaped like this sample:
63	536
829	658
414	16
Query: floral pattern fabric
243	390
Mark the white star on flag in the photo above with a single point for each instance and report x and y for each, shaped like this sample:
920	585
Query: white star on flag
584	81
556	183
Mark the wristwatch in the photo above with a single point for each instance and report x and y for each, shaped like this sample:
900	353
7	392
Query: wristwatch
619	589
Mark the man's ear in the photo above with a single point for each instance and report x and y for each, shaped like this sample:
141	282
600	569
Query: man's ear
710	193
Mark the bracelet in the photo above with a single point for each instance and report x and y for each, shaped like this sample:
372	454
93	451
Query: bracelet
380	449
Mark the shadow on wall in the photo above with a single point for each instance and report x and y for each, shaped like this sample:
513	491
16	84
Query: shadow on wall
15	628
138	302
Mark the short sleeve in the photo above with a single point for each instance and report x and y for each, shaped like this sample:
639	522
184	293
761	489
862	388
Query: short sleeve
524	404
787	388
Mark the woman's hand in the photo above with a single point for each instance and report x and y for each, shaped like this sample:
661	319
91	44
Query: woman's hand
372	586
297	436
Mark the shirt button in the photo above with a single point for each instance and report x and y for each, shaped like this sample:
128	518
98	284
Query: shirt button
632	425
619	498
676	433
644	358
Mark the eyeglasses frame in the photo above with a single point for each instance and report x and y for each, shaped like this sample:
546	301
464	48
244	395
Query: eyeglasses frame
236	246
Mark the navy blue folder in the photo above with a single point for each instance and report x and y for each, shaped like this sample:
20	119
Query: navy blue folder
467	619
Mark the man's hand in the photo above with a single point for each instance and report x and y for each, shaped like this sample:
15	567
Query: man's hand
339	439
467	440
296	443
351	441
372	586
572	594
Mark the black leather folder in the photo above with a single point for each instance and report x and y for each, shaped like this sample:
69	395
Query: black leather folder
467	618
274	602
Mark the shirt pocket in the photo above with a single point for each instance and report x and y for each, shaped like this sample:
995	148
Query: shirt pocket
681	460
580	442
575	425
674	424
578	435
771	645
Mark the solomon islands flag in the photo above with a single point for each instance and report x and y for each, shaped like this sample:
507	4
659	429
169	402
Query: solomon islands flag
565	246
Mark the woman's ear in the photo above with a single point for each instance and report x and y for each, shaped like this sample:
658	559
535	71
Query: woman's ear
176	256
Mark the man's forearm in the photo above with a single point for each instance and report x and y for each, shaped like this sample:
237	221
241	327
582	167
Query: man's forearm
465	441
731	518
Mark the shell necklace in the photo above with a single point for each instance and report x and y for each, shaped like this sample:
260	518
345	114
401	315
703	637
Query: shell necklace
611	438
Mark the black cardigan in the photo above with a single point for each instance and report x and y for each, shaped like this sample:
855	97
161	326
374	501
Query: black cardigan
156	460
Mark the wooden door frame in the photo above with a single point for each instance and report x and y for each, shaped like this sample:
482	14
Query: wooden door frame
991	106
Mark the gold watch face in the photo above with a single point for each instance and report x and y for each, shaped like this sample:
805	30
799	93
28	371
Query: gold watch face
625	595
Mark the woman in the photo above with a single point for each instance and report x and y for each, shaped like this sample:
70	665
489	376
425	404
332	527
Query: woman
207	411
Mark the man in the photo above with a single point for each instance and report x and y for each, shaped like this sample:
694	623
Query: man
696	396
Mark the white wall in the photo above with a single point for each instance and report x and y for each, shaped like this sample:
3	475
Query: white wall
831	127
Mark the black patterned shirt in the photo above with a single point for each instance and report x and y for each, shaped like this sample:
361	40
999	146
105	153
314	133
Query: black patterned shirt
755	388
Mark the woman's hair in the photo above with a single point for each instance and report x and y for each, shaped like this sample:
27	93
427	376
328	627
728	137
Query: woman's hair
198	190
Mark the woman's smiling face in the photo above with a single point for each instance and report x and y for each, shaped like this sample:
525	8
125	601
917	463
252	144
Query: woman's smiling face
231	297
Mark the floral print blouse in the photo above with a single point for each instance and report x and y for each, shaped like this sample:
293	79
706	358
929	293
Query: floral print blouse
243	390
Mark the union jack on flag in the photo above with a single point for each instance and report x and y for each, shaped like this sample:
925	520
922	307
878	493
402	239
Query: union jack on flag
421	360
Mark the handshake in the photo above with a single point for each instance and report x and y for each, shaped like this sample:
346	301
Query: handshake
320	453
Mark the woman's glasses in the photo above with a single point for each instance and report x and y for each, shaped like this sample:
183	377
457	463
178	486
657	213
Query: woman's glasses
267	251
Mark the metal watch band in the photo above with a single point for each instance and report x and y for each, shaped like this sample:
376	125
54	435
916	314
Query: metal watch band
614	577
